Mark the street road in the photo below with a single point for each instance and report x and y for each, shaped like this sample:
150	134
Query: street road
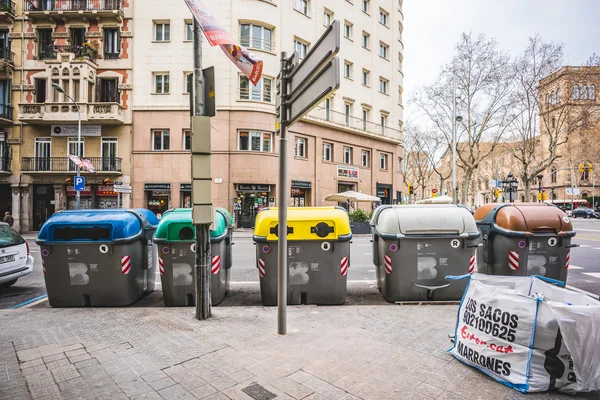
584	272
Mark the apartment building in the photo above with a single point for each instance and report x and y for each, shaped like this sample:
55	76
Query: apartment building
351	141
82	47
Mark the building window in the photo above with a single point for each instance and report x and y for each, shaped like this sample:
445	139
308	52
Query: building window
383	17
347	70
365	6
189	31
260	92
255	141
161	83
301	6
327	17
347	155
365	157
77	36
558	96
553	173
575	92
592	92
327	109
348	30
384	122
383	50
76	148
256	37
187	140
45	44
109	90
383	85
160	139
301	48
365	40
112	43
584	93
347	113
162	32
327	152
383	162
188	81
365	118
300	150
109	154
365	77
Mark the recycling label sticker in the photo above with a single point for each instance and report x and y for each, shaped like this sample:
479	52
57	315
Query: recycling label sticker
552	242
455	243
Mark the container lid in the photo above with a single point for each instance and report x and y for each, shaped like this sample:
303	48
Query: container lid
425	219
526	219
94	226
305	223
176	226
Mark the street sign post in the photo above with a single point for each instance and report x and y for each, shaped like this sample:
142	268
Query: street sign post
300	87
79	183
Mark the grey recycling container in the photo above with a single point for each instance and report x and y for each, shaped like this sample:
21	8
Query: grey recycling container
416	246
175	240
318	254
525	239
97	257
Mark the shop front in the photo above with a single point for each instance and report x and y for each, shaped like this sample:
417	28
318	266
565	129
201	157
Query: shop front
158	197
85	198
43	204
5	198
344	172
300	194
384	192
186	195
251	198
106	197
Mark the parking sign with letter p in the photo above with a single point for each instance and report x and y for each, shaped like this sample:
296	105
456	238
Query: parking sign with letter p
79	183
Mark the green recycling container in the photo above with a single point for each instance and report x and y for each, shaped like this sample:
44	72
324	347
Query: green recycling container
175	240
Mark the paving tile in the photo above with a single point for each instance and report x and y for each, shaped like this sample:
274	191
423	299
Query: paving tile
43	391
193	383
175	392
65	373
203	391
162	383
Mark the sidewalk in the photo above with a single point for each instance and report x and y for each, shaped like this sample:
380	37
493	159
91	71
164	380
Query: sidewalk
346	352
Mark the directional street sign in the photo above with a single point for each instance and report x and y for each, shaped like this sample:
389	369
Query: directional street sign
325	82
79	183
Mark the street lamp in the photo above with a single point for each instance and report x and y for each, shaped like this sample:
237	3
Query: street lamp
511	185
79	153
540	196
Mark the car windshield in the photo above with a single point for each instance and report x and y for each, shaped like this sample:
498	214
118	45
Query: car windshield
8	237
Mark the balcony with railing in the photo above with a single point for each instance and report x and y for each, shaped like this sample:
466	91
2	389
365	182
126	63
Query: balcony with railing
330	117
6	115
5	165
49	9
256	43
82	52
60	113
7	57
8	10
59	165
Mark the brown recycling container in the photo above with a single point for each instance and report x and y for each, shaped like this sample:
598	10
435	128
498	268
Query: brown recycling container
524	239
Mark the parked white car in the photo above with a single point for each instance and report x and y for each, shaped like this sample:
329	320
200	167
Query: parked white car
15	259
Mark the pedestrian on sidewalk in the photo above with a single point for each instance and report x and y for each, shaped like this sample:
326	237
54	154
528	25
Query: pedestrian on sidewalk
8	219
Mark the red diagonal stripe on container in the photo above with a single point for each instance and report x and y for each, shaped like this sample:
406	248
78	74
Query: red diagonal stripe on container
43	267
161	266
513	260
125	265
216	265
344	266
568	260
472	265
261	268
388	264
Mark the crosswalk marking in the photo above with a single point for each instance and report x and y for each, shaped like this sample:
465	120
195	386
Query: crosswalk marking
584	246
593	274
575	267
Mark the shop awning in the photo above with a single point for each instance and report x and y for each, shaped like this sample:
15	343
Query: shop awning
352	196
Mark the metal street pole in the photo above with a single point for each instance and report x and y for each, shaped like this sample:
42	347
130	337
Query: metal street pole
202	261
282	262
454	194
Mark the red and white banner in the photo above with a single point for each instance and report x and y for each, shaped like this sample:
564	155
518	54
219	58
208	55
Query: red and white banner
216	265
161	266
388	264
125	265
82	163
568	260
248	63
344	266
261	268
513	260
472	265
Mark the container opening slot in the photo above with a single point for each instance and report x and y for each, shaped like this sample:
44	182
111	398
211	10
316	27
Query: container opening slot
72	233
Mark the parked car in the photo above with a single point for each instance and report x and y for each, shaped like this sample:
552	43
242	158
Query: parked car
585	213
15	259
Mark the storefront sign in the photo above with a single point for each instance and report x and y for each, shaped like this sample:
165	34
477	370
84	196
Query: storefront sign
302	184
296	191
87	191
244	187
157	186
105	190
347	172
185	187
72	130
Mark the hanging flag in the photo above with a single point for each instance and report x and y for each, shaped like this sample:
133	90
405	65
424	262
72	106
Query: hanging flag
76	160
248	63
87	164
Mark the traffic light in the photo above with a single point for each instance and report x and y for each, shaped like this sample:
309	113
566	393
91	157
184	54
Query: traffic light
581	167
496	194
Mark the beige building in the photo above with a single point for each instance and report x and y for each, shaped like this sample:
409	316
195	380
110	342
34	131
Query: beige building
85	48
351	141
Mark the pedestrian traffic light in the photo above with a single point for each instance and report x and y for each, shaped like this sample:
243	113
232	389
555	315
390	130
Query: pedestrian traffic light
411	190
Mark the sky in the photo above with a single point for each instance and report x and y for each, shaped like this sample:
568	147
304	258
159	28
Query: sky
433	27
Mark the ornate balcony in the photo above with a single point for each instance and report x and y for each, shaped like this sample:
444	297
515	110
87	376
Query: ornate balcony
48	10
6	115
81	52
62	165
7	11
64	113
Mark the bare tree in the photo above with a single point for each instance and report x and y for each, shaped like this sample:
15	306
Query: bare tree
593	61
421	150
545	114
484	85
